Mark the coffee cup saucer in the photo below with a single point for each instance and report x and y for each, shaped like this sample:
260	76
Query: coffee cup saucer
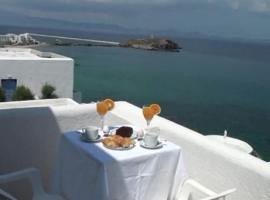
158	146
84	138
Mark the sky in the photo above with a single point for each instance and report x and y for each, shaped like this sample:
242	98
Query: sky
223	18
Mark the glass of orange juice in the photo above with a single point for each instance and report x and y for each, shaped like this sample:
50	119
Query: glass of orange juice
150	111
102	109
148	114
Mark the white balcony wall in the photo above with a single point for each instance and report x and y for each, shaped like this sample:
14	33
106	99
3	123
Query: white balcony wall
29	137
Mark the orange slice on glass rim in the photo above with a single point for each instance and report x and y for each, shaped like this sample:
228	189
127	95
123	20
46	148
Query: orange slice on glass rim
156	108
110	104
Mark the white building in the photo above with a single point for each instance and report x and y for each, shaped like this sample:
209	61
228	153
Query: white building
21	39
33	69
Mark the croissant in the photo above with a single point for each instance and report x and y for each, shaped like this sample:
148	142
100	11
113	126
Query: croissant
126	142
117	141
110	143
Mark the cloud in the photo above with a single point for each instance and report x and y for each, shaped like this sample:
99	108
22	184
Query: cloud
98	10
121	6
208	16
258	6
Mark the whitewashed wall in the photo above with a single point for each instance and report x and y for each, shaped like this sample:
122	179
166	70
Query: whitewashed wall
34	73
34	133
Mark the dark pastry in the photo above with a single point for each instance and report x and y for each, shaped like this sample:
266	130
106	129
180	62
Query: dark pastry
124	131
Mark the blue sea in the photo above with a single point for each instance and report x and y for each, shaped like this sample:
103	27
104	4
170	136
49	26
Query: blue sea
210	86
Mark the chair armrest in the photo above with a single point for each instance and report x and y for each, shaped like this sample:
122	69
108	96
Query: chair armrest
197	187
6	195
190	186
32	174
220	195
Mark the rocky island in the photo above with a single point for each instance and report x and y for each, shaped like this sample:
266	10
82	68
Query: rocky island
155	44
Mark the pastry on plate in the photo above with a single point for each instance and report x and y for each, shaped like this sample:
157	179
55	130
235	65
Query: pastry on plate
127	142
116	141
110	143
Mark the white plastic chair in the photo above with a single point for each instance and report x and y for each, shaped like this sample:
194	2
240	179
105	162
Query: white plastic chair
6	195
191	187
34	176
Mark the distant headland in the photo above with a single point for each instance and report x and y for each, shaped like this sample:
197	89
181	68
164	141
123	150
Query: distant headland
154	44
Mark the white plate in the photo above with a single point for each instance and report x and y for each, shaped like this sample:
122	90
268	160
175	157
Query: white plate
85	139
134	134
158	146
120	148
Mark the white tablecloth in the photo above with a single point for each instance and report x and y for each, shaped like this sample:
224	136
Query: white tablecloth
89	171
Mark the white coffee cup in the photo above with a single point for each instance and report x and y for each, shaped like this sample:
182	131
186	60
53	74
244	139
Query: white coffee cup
91	132
150	139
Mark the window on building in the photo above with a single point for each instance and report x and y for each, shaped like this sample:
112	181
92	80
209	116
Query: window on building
9	85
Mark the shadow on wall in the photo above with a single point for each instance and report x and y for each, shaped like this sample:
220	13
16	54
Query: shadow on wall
28	138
